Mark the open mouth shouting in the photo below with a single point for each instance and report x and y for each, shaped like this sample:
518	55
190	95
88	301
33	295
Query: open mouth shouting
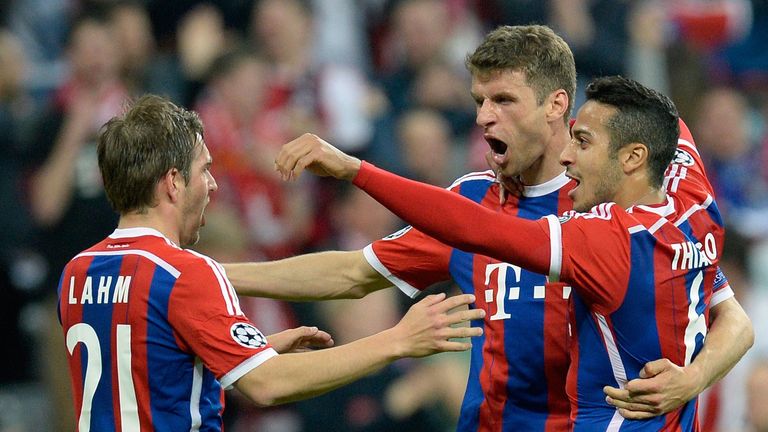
576	180
498	147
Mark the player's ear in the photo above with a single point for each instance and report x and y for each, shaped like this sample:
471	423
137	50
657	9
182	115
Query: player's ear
557	105
171	183
633	156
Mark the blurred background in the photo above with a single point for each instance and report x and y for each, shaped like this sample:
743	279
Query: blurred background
382	79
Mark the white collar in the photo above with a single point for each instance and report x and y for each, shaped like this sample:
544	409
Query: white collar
662	210
137	232
547	187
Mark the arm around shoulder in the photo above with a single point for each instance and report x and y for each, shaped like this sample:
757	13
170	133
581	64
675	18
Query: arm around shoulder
316	276
664	386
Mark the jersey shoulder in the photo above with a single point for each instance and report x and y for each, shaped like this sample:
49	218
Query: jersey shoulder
478	177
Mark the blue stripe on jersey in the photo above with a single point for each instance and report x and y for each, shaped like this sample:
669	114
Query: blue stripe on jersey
461	265
714	212
99	316
593	367
475	189
638	305
170	370
462	268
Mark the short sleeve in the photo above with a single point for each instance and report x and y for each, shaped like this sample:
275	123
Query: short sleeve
721	290
410	260
206	318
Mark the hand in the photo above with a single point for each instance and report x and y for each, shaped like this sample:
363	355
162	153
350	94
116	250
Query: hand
428	325
316	155
300	339
662	387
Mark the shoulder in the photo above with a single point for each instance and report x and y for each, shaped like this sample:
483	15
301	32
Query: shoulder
604	211
482	178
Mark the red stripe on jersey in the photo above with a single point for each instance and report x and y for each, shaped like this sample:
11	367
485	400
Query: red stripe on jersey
668	325
571	386
556	338
119	316
495	371
73	314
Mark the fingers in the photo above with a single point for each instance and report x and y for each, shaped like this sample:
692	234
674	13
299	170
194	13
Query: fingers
655	367
461	332
623	398
454	346
465	315
616	393
289	161
636	415
454	302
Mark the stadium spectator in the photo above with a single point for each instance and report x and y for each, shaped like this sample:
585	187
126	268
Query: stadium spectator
242	135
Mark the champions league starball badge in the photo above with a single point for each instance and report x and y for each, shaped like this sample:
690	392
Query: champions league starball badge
247	335
683	158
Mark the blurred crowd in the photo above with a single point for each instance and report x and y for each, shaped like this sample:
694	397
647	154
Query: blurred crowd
382	79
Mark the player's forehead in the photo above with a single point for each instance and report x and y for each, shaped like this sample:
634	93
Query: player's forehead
499	81
200	152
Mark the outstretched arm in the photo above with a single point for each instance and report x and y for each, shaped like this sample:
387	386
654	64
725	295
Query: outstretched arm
317	276
426	329
446	216
664	386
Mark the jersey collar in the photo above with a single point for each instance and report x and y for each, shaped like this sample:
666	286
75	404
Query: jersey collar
547	187
662	210
120	233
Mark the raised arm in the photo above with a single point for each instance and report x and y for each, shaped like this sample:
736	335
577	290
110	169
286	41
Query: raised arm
426	329
446	216
664	386
316	276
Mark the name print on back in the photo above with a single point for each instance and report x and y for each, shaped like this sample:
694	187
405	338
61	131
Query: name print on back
118	287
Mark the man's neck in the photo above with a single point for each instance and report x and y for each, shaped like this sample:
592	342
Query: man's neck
149	220
638	191
548	166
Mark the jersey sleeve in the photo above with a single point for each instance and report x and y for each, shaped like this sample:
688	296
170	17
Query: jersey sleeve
721	290
410	260
591	252
458	221
206	317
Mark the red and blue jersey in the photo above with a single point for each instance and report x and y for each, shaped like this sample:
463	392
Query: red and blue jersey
518	367
643	278
154	333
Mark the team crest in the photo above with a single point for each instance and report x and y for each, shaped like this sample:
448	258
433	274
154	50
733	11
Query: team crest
247	335
683	158
398	234
565	217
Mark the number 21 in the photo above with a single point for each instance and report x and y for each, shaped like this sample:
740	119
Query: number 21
85	334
